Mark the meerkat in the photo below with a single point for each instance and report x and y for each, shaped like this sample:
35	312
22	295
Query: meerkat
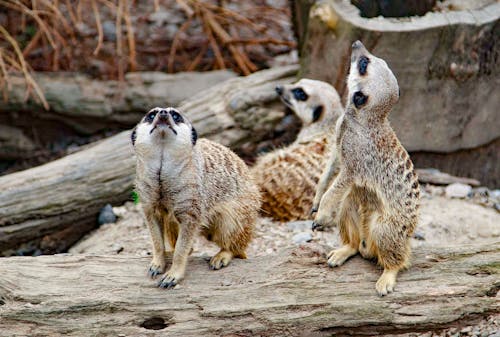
288	177
188	185
375	196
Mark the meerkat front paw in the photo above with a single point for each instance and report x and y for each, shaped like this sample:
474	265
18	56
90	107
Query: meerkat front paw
221	259
337	257
156	267
386	282
323	220
170	279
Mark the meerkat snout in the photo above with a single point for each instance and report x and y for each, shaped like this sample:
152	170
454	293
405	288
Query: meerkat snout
164	126
371	84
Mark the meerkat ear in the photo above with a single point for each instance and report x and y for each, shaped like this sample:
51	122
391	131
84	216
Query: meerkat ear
317	112
133	136
194	135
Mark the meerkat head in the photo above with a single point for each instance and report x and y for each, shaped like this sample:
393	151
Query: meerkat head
312	101
164	127
371	83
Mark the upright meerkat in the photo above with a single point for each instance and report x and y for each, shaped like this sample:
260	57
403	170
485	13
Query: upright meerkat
376	192
188	185
287	178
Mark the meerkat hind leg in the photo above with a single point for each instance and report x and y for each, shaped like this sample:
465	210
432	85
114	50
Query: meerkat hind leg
386	282
221	259
337	257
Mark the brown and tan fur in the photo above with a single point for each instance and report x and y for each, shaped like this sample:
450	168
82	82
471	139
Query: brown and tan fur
376	193
287	178
188	185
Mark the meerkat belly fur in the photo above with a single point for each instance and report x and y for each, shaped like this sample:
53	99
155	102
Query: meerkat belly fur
375	196
288	177
188	185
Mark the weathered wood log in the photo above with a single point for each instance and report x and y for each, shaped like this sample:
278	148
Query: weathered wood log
447	68
68	193
436	177
292	293
81	107
76	99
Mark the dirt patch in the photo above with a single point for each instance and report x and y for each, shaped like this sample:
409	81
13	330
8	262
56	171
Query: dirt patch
442	221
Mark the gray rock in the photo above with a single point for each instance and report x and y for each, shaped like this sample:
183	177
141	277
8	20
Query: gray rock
495	194
458	190
419	236
162	18
299	225
106	215
109	30
302	238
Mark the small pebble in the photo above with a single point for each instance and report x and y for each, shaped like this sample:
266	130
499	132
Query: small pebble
302	238
467	329
106	215
419	236
299	225
458	190
117	248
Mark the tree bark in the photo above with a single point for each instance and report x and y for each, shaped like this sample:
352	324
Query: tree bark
51	206
292	293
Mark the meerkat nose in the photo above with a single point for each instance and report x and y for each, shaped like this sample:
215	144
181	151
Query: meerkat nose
357	44
163	114
358	49
279	89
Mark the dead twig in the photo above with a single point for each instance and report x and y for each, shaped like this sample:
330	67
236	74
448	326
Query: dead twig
100	34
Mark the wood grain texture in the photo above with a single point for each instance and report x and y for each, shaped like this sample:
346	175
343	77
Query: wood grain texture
68	193
292	293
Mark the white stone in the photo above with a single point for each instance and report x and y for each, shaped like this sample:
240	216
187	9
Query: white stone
458	190
302	237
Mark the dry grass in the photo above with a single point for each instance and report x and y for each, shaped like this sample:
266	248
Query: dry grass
46	35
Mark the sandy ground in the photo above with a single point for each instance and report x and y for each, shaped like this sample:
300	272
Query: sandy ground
443	221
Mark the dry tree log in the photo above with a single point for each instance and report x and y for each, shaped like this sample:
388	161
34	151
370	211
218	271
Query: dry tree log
88	105
291	293
55	203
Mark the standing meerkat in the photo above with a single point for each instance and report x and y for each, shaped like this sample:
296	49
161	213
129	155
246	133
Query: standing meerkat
376	192
287	178
188	185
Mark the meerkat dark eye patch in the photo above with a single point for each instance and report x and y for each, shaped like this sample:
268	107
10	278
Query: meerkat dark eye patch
133	136
194	135
363	65
176	117
299	94
359	99
150	116
318	111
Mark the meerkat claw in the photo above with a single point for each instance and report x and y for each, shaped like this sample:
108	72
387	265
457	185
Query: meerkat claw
220	260
316	226
337	257
168	281
314	210
155	270
386	283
